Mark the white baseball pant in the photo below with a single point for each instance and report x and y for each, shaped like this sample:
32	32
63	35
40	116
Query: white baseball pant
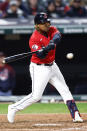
41	75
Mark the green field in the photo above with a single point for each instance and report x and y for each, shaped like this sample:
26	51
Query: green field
46	108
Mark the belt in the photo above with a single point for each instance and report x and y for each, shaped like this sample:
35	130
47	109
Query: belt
48	64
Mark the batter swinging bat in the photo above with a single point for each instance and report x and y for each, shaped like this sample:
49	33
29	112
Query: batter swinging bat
17	57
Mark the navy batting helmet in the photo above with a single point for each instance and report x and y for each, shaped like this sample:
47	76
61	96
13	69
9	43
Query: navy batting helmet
41	18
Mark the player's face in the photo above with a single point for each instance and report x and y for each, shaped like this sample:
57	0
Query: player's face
44	27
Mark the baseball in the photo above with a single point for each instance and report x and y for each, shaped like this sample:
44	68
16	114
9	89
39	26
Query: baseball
70	56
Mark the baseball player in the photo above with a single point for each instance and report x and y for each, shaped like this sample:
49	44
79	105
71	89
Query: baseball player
43	69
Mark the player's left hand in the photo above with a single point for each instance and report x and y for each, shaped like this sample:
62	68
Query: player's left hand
49	47
42	53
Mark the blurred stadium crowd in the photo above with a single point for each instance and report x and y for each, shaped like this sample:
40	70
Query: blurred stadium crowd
54	8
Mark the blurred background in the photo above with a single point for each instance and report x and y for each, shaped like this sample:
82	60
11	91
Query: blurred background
16	27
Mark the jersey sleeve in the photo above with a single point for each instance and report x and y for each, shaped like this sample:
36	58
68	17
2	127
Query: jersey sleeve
53	31
34	45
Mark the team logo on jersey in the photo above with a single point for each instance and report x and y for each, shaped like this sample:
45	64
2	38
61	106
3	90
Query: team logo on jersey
35	47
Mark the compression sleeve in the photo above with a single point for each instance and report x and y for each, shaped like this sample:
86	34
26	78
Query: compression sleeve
57	38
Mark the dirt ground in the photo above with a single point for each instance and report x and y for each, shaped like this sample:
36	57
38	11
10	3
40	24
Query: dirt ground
43	122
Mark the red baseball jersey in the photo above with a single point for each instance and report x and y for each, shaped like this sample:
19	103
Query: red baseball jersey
37	41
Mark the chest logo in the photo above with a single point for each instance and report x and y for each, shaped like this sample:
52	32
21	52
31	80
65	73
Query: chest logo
35	47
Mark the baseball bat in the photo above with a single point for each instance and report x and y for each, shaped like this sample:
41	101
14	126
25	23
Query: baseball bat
17	57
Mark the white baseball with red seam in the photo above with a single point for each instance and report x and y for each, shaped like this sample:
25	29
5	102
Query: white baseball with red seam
70	56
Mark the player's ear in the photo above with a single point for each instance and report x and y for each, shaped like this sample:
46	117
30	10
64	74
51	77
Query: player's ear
36	26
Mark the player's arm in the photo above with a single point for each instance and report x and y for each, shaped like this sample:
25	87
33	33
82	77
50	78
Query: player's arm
42	53
56	38
55	41
55	35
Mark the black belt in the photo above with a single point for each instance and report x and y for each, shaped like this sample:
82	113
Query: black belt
49	64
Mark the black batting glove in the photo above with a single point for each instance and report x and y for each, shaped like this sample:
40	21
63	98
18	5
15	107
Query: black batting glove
51	46
42	53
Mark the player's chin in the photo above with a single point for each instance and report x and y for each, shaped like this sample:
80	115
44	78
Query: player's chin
47	29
